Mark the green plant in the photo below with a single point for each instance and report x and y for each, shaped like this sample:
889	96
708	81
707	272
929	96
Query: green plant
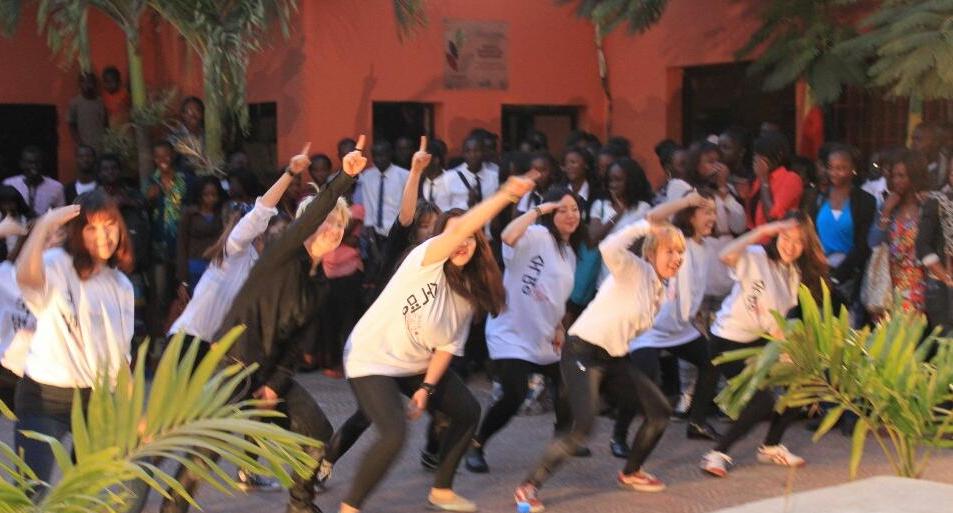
126	428
896	384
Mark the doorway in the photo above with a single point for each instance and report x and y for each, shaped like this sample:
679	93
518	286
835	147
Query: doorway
408	119
34	125
555	121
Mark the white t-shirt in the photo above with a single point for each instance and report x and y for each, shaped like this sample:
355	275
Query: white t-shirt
878	189
684	294
603	210
538	281
218	286
17	323
628	301
762	286
414	316
730	221
83	327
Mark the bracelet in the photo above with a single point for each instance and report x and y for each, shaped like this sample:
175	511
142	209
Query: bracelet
539	211
288	171
429	388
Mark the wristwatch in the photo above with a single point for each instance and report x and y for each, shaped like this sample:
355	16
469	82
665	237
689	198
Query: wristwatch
429	388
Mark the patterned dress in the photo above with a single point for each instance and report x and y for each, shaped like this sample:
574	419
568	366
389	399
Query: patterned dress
906	273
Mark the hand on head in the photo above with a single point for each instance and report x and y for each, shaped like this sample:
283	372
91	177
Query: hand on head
355	161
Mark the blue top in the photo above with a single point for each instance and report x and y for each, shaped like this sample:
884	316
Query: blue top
836	234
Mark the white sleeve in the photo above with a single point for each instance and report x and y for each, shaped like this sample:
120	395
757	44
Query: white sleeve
531	238
251	225
615	250
676	189
54	273
737	221
746	261
458	344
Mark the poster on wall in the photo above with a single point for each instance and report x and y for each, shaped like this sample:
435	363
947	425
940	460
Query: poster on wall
475	55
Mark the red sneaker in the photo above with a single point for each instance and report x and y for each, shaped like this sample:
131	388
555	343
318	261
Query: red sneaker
641	481
527	493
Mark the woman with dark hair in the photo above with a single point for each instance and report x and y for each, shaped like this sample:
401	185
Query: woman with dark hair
83	304
596	353
843	216
17	324
673	329
899	225
628	198
676	164
539	253
199	227
405	341
767	279
935	251
548	172
776	190
13	206
578	166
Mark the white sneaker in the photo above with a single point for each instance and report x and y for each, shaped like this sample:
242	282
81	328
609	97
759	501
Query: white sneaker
716	463
681	408
779	455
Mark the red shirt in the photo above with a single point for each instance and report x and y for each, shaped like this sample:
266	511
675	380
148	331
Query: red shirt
786	190
117	106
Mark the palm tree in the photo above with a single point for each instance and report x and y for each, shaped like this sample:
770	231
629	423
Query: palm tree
605	16
796	41
125	429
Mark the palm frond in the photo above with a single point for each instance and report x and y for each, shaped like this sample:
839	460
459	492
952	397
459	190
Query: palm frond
410	15
10	16
637	15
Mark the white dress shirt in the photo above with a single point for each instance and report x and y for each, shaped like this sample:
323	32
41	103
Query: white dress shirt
369	187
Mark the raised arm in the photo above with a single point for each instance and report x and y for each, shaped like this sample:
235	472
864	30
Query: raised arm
615	248
517	227
312	217
662	213
30	271
733	251
443	245
408	202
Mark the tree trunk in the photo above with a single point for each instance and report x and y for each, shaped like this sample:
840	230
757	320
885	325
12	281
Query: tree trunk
214	152
137	90
603	77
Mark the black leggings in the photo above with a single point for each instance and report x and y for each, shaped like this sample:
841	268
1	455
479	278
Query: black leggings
513	375
355	426
584	367
759	408
647	360
379	399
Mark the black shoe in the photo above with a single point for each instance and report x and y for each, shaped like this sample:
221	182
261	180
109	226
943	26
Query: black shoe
475	462
303	508
581	452
429	461
619	448
701	432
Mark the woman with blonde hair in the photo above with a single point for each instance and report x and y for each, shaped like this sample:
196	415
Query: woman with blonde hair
597	348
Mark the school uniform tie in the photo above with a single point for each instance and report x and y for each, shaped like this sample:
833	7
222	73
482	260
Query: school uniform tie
380	203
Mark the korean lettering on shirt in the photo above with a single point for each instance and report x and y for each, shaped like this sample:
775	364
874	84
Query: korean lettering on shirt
752	299
20	317
531	276
429	293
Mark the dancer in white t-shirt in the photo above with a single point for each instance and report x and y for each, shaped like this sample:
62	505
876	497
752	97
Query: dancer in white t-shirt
405	341
539	254
766	281
83	304
597	348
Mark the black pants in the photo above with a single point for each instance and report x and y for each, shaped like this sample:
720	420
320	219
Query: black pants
45	409
759	408
647	360
513	375
8	387
584	366
939	306
379	399
350	432
336	321
302	416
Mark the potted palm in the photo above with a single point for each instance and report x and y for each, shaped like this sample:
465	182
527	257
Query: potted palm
896	382
126	429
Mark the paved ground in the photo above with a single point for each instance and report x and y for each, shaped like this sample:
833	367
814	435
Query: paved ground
584	485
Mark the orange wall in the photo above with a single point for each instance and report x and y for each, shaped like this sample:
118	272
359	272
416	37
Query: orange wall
341	58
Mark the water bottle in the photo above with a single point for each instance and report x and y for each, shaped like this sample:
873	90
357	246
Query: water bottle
522	507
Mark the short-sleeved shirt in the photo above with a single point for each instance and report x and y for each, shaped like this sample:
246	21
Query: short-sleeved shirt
89	117
762	286
538	281
48	194
17	323
415	315
83	327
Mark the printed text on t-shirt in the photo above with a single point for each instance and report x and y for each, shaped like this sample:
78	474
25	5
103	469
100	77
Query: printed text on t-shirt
531	276
413	304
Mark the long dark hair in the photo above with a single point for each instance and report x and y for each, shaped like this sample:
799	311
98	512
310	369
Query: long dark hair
479	281
812	263
695	153
637	186
93	204
683	218
576	238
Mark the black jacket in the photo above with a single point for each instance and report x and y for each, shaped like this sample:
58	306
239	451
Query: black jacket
930	240
863	209
280	297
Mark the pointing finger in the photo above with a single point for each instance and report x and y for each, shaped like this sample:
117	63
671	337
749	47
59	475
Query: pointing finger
423	143
306	149
360	143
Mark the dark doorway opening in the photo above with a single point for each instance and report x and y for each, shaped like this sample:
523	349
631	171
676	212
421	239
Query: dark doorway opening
395	119
27	124
719	96
555	121
261	141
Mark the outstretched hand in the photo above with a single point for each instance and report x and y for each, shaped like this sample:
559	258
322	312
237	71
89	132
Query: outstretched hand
518	186
301	161
355	161
421	158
